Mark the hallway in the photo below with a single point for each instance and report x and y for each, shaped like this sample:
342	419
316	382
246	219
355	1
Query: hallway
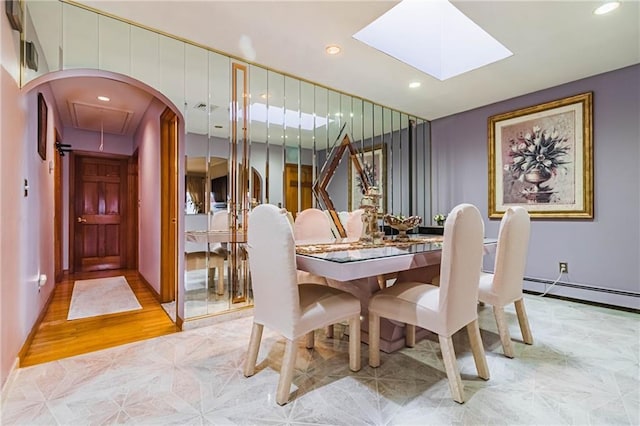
58	338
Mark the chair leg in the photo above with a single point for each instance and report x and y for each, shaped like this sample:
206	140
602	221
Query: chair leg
409	335
473	331
310	340
286	372
252	352
524	322
354	343
503	330
220	289
374	339
451	367
329	331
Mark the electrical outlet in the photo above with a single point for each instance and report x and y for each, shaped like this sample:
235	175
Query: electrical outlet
563	267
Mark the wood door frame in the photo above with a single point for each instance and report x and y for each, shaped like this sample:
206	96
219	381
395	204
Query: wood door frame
134	206
126	211
57	212
168	206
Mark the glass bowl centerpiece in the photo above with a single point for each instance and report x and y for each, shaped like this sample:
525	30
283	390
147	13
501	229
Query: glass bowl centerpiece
402	224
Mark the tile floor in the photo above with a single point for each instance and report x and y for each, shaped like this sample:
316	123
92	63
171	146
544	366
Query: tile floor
583	369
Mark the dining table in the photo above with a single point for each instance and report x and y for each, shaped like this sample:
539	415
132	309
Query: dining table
363	269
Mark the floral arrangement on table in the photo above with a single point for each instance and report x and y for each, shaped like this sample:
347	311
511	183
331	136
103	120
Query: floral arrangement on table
439	219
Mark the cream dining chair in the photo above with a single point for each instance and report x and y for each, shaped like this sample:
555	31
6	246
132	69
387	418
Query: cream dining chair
312	226
443	310
294	310
504	285
353	227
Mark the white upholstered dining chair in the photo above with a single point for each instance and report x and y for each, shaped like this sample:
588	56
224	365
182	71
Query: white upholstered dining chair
294	310
504	285
354	227
312	226
443	310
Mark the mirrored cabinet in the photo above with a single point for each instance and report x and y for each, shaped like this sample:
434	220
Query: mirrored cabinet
251	136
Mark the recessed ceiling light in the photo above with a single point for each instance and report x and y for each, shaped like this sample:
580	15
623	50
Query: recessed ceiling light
414	84
265	95
103	99
606	8
332	49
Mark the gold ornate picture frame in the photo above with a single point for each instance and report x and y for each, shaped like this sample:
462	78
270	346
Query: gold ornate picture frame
541	158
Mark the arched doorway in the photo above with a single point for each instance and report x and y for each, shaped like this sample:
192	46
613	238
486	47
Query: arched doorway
67	92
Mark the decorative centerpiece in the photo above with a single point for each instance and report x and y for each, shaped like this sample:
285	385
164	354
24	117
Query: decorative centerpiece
371	233
402	224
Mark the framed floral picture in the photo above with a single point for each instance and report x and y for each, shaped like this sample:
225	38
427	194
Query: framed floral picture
42	127
373	161
541	158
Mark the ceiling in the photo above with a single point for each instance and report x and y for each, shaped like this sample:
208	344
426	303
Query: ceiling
553	42
78	105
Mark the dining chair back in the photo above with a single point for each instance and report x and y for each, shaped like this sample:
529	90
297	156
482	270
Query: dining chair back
280	303
312	225
445	309
354	227
504	285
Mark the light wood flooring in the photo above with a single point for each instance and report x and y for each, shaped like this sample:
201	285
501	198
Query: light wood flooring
57	338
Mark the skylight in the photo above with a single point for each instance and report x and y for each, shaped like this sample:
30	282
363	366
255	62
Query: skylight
278	115
434	37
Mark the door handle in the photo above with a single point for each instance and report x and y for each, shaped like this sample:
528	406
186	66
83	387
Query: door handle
81	220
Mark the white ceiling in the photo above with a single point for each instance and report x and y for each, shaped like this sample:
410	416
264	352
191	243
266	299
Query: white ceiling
553	42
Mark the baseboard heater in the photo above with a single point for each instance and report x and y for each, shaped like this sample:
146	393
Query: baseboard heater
583	287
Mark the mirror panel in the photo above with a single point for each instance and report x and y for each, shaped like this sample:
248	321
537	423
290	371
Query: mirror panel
113	45
172	70
145	56
79	38
275	136
294	198
46	17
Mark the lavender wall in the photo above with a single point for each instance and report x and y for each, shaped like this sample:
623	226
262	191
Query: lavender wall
147	140
14	116
26	222
602	253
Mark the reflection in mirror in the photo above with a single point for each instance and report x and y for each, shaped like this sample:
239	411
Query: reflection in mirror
275	136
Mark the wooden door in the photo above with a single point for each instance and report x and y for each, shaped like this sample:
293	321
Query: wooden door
100	213
291	189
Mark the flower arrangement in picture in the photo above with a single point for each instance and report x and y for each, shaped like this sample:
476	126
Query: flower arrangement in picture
535	158
370	173
538	151
439	219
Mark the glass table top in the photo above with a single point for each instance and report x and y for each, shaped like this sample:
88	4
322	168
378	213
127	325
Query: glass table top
345	251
